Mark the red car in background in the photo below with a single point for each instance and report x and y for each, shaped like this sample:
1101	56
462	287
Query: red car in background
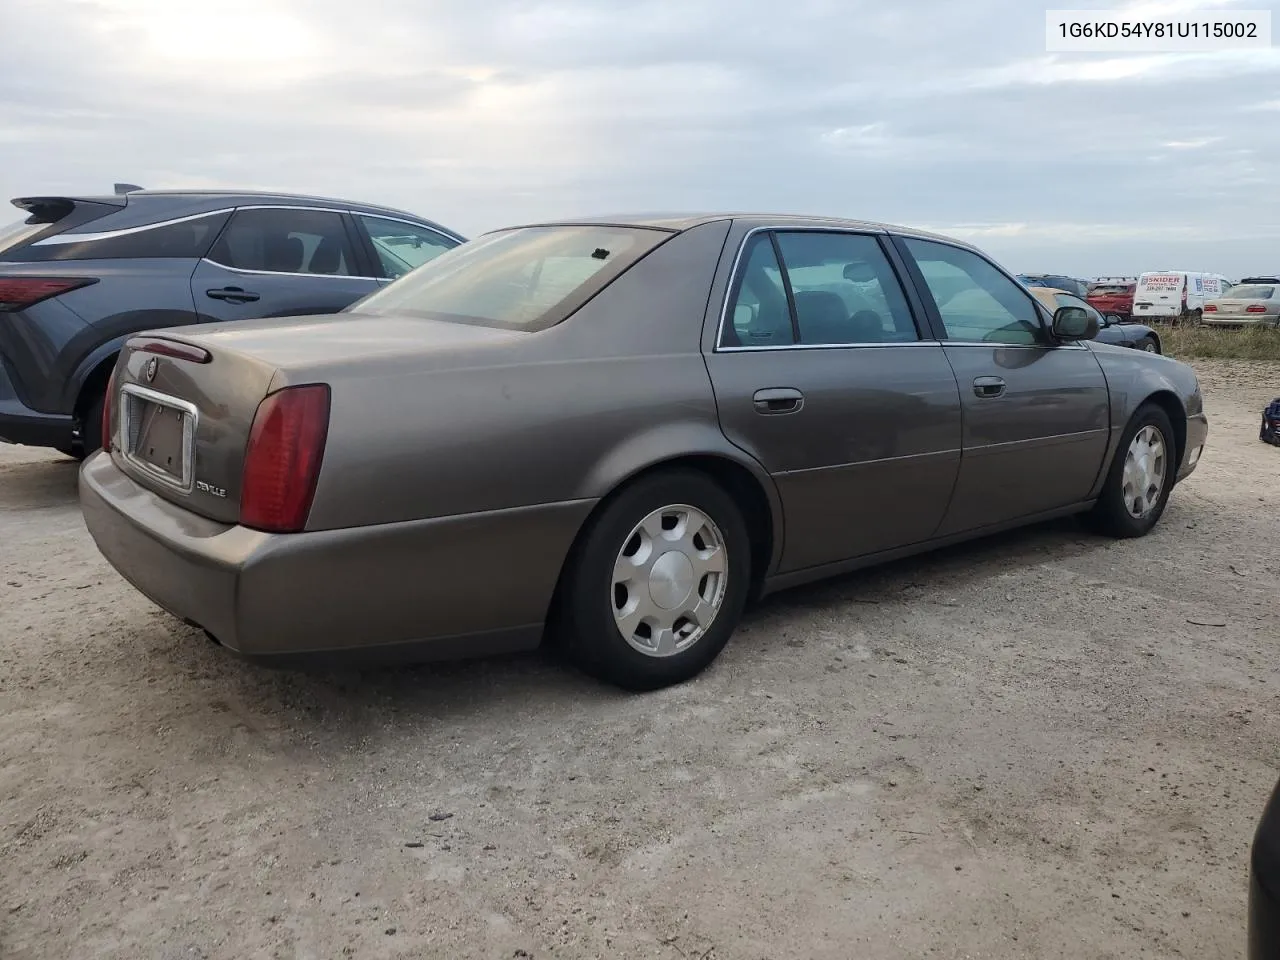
1113	295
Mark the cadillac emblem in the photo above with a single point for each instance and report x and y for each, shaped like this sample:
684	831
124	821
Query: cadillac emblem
149	371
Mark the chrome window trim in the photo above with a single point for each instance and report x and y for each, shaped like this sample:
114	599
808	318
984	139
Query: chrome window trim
923	342
190	423
281	273
66	238
830	346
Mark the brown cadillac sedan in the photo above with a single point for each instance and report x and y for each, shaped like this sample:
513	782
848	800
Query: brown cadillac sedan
615	433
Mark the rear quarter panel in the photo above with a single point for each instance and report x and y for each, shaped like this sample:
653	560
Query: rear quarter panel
561	415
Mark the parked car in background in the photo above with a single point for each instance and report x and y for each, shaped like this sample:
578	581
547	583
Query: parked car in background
659	417
1112	296
1269	432
1245	304
1175	295
1055	282
1264	884
1111	329
80	275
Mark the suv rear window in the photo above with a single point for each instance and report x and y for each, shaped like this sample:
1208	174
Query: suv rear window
529	278
15	233
187	238
1252	292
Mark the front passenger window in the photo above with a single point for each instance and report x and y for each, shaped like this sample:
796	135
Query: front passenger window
977	303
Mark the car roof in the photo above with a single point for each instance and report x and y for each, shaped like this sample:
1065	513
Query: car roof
686	221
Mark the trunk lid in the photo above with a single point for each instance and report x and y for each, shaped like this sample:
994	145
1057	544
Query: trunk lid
185	399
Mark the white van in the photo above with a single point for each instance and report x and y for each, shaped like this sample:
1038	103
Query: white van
1176	294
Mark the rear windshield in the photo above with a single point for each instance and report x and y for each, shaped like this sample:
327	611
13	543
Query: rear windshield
1252	293
524	279
1111	289
14	233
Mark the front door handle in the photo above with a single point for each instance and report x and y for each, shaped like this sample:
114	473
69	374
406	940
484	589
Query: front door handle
778	400
232	295
987	387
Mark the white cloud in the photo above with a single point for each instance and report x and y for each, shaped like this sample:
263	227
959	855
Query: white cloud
480	115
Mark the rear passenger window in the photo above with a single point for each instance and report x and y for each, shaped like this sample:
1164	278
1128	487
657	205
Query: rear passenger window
845	291
286	241
976	301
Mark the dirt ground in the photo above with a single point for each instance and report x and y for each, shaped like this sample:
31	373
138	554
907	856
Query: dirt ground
1041	745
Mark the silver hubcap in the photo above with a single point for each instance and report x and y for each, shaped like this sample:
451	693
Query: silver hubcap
1150	348
669	580
1144	472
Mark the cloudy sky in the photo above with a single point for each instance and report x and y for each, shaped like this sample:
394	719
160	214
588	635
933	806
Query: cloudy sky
933	113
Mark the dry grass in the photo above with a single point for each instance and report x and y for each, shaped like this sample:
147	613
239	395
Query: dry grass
1244	343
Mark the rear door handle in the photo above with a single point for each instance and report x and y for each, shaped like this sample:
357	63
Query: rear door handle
987	387
232	295
778	400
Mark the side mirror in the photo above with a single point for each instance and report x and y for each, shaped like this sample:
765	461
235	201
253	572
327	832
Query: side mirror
1112	319
1074	323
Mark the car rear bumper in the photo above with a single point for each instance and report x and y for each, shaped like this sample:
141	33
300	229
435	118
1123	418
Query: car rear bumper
1238	320
1264	885
20	424
455	586
1197	434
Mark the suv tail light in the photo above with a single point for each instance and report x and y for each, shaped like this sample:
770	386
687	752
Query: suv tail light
1210	308
1255	308
18	293
107	402
282	459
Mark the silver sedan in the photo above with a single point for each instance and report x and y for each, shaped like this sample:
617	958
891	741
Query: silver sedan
1248	304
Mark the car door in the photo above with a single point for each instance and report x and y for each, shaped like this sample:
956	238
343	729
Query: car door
397	246
820	372
1036	419
281	261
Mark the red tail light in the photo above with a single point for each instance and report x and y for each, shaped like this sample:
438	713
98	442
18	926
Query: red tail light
18	293
282	459
1210	308
106	411
1255	308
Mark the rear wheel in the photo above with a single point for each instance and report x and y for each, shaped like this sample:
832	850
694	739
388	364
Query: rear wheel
1141	477
657	583
1148	345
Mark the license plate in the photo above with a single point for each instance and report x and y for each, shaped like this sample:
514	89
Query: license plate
158	433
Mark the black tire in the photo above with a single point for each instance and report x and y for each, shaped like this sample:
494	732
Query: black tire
91	427
1148	344
584	621
1110	515
74	451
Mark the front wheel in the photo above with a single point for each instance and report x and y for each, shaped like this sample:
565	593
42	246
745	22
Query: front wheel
1141	477
1148	345
657	583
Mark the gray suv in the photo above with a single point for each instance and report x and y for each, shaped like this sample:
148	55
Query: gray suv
80	275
